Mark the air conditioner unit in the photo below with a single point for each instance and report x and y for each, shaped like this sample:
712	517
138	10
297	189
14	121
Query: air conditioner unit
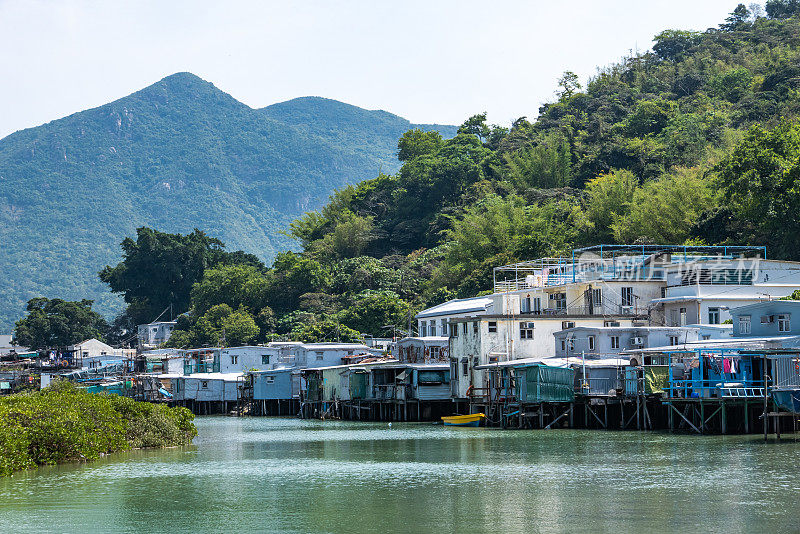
626	310
637	341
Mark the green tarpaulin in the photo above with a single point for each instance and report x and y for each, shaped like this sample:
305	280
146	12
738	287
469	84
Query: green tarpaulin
358	385
549	384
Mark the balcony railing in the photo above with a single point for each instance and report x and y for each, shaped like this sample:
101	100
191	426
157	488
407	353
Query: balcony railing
704	389
200	367
586	310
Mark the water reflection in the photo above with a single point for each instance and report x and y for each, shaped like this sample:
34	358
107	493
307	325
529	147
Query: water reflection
286	475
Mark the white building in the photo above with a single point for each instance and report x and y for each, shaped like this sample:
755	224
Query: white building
706	292
424	349
432	322
155	334
238	359
170	361
614	340
275	355
487	339
207	388
672	285
94	353
6	346
313	355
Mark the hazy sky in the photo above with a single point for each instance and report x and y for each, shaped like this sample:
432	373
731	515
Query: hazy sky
429	61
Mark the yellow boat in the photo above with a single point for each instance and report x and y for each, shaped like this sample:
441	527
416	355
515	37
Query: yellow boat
463	420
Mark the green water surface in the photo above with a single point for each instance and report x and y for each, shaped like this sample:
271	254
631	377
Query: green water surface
288	475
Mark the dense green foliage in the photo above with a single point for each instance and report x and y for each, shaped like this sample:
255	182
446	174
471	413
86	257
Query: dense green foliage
761	180
298	296
680	144
695	141
62	423
158	270
177	155
57	324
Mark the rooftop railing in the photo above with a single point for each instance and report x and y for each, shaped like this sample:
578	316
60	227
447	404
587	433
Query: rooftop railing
614	262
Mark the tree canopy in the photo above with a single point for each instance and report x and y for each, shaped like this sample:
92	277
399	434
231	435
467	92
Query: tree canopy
57	324
158	270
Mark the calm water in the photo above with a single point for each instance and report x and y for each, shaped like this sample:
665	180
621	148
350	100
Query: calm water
287	475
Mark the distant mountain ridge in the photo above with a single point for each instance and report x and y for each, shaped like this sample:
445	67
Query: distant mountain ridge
176	155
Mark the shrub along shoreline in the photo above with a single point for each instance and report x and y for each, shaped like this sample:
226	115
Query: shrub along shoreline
63	423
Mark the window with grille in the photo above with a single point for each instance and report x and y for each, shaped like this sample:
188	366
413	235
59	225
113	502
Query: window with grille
627	296
744	324
526	330
783	323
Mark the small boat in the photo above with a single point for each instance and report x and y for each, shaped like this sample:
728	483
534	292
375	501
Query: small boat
463	420
787	399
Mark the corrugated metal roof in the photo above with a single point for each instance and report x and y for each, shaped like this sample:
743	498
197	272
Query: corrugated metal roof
710	296
768	303
227	377
560	362
733	343
334	346
451	307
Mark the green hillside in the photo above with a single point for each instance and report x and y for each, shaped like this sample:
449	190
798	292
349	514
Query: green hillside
177	155
696	141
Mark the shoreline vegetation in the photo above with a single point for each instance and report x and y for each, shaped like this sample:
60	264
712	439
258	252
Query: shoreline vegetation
63	423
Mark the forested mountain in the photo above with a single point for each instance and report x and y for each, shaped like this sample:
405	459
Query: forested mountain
695	141
177	155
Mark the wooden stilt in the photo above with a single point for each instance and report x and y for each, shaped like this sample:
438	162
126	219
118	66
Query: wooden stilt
746	418
702	417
